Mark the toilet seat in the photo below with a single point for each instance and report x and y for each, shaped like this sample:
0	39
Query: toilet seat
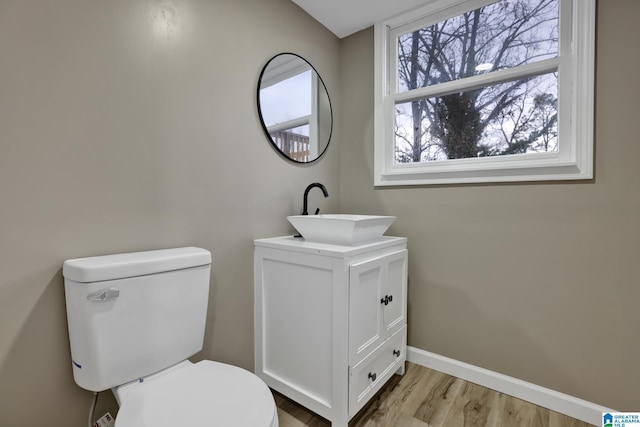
206	393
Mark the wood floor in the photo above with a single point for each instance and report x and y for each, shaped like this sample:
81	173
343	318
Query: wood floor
428	398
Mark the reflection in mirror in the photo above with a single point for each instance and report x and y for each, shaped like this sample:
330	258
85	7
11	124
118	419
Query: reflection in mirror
294	108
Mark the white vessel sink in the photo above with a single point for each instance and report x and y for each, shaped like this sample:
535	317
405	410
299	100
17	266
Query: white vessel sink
341	229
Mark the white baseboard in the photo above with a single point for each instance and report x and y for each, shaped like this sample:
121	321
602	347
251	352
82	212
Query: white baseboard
541	396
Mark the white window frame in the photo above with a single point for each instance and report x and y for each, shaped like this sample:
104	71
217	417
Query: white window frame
575	64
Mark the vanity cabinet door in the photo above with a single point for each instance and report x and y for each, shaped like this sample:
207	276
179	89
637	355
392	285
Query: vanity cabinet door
394	307
377	290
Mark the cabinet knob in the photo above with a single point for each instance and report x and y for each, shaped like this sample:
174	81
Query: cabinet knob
386	300
372	376
396	353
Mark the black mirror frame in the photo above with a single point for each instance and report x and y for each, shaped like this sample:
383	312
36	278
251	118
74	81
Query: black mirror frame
264	126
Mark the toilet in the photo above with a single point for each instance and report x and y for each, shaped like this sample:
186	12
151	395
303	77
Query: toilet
134	320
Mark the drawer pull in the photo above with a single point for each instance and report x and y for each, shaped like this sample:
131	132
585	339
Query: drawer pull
386	300
396	353
372	376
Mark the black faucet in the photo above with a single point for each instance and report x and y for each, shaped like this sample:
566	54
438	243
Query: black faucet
306	195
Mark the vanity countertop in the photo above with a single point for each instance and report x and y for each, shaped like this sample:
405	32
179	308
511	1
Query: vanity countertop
298	244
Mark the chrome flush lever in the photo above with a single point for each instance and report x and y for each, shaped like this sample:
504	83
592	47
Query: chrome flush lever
104	294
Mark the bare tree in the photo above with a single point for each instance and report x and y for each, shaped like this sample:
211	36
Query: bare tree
507	118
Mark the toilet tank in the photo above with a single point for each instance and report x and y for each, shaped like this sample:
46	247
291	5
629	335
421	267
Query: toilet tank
134	314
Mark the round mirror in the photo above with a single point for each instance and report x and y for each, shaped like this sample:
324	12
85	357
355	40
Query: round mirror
294	108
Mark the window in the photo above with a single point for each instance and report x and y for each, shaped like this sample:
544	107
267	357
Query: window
485	91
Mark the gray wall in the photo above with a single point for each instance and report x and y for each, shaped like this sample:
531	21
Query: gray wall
536	281
114	138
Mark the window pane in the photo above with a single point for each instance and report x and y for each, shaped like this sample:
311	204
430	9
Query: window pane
515	117
502	35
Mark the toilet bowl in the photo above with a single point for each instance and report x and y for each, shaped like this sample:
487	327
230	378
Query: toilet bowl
134	320
202	394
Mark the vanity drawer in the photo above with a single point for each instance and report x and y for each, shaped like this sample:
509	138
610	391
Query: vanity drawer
371	373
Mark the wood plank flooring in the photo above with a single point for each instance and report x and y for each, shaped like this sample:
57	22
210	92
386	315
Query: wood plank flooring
427	398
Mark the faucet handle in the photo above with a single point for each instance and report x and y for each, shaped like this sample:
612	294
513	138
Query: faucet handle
317	211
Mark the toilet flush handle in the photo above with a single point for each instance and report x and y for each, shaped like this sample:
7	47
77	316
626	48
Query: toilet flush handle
104	294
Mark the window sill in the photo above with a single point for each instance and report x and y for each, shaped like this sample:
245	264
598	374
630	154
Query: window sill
420	174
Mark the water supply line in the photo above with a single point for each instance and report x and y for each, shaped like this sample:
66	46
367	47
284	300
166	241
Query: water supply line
92	408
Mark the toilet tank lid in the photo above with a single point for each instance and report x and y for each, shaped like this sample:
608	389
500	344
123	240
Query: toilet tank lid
120	266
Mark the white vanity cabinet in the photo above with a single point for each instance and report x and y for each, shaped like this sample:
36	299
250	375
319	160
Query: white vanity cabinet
330	320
